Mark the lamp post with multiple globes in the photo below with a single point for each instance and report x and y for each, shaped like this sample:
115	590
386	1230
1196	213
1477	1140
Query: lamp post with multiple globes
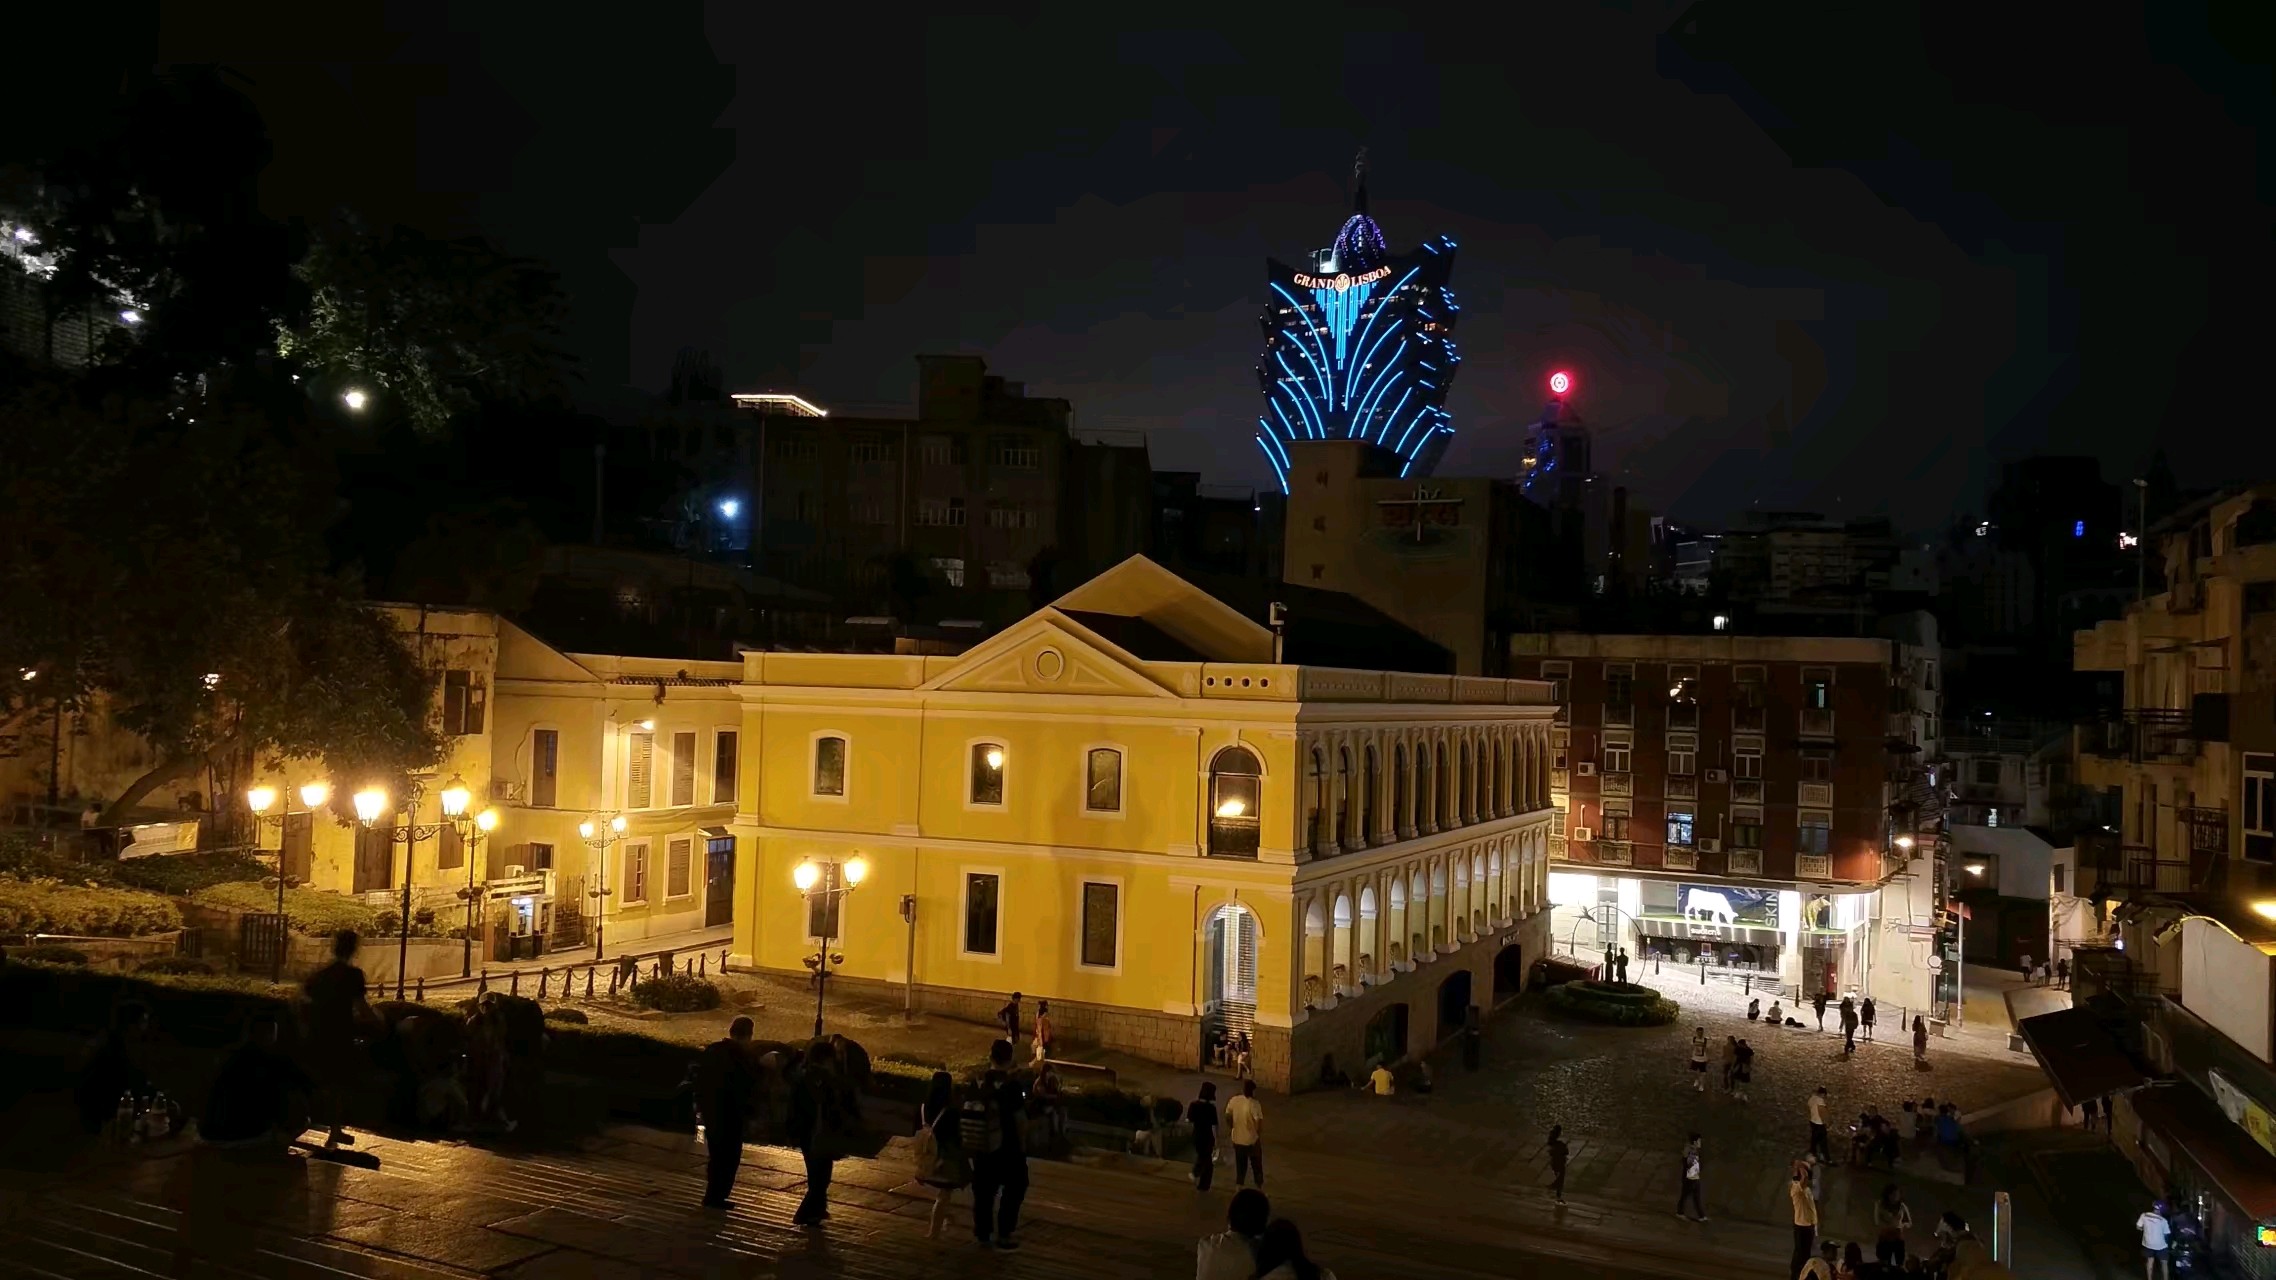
260	799
600	833
829	882
371	803
471	831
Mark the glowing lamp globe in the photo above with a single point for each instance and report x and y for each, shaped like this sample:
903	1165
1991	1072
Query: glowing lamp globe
1560	382
806	876
585	829
995	757
454	797
487	820
616	824
314	794
857	870
370	803
261	799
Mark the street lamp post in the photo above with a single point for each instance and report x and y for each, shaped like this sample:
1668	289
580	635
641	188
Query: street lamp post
471	833
260	799
829	881
600	833
370	803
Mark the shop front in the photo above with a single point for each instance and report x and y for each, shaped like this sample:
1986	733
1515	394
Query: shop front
2219	1184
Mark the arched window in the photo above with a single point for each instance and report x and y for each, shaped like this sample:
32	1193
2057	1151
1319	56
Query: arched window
1399	802
1313	817
1465	790
1494	783
1343	795
1235	794
1438	790
1368	783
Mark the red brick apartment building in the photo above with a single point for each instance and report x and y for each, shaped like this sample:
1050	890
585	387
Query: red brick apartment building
1730	796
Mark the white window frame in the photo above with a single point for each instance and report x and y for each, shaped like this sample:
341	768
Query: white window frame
631	740
1625	761
529	764
736	732
814	767
694	739
1682	763
647	849
974	806
1121	782
964	905
1121	916
693	838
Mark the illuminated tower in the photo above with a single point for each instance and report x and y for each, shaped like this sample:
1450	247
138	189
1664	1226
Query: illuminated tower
1556	470
1360	345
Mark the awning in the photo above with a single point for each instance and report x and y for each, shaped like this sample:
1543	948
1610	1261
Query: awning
2196	1131
2080	1055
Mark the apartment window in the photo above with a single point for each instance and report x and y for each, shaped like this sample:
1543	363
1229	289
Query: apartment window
1616	758
982	906
1679	827
950	569
1746	835
1817	688
1014	452
1683	715
871	514
1615	827
465	696
544	768
823	903
1102	790
987	773
1102	924
1004	516
450	850
799	447
1746	764
1559	675
679	859
941	512
1987	772
1816	833
724	745
1007	575
2062	878
640	756
635	885
1235	797
540	857
941	451
1682	764
683	768
829	765
2259	809
1619	686
872	449
1817	765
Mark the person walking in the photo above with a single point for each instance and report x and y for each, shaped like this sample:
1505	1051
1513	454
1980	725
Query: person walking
1244	1126
1008	1018
1231	1254
1730	1060
1820	1146
824	1114
1699	1059
1865	1017
1045	1033
339	1015
1805	1206
1891	1219
1848	1026
992	1129
947	1168
1558	1153
1202	1115
1691	1193
1919	1043
2157	1240
2025	964
2088	1112
2063	974
1742	1071
726	1093
1818	1002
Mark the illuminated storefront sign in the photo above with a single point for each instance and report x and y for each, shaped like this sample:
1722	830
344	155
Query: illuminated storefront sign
1339	283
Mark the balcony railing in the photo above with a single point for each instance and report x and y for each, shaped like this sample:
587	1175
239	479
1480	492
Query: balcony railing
1817	722
1619	714
1683	788
2208	830
1615	853
1559	781
1814	795
1615	784
1746	720
1678	857
1814	866
1744	862
1746	791
2141	734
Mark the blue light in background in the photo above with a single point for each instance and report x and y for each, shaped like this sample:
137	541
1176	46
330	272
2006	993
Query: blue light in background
2078	529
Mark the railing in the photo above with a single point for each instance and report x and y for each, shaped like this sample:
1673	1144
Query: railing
1746	791
1677	857
550	982
2208	829
1615	784
1817	722
1619	715
1743	862
1558	780
1747	720
1683	788
1615	853
1814	795
1814	866
2140	734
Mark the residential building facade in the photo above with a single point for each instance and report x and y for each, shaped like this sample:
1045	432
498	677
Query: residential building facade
1740	800
1124	805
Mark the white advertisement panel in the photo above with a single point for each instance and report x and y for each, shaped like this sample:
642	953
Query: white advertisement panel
2226	982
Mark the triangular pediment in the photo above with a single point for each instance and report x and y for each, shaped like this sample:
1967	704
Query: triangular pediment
1050	653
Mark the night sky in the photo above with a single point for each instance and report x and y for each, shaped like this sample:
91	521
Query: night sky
1795	257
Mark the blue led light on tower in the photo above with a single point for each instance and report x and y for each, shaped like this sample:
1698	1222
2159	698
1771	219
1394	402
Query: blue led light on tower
1360	345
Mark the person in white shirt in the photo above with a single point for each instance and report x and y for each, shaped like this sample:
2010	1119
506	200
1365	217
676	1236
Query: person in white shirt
2157	1237
1231	1254
1819	1144
1244	1124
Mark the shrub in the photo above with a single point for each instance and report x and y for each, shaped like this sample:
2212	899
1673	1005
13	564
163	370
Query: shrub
677	993
49	953
186	873
93	910
174	965
575	1017
1613	1004
313	912
193	1010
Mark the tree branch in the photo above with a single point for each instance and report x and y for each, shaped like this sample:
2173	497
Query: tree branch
114	814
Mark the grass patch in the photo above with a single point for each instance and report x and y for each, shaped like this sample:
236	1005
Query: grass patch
86	909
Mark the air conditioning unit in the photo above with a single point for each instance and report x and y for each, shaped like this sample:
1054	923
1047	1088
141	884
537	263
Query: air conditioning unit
505	791
1587	768
1718	775
1709	844
1583	834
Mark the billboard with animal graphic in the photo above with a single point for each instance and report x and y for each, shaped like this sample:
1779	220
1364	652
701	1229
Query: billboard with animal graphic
1728	905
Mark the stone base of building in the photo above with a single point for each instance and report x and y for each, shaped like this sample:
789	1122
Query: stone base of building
1415	1011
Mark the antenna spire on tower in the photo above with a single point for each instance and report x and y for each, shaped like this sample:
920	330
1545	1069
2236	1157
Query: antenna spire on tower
1359	182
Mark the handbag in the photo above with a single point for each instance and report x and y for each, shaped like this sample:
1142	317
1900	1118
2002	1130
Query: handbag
927	1152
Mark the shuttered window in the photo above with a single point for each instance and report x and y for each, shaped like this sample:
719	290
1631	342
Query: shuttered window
683	768
635	886
640	755
545	768
679	855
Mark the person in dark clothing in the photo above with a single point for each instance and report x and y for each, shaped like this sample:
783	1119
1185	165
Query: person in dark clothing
1865	1014
727	1090
823	1116
1202	1115
113	1068
993	1134
1848	1026
338	1014
1818	1002
1558	1152
251	1091
1008	1018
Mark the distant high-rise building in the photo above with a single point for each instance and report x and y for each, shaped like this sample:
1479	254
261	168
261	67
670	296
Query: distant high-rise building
1359	345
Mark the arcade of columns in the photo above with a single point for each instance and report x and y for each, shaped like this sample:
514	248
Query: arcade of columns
1390	917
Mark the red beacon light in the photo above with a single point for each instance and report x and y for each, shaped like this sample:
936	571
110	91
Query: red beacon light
1560	382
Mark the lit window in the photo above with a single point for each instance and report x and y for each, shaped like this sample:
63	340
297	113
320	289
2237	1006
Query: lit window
1102	792
829	766
1235	789
987	773
1679	828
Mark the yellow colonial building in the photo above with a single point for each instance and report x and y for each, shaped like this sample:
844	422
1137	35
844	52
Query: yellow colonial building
1124	805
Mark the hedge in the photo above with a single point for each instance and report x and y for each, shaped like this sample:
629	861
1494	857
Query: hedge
186	873
1613	1005
91	910
677	993
314	912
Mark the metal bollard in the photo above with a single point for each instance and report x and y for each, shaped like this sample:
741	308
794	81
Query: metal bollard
703	966
588	982
482	984
515	987
691	968
421	997
543	975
